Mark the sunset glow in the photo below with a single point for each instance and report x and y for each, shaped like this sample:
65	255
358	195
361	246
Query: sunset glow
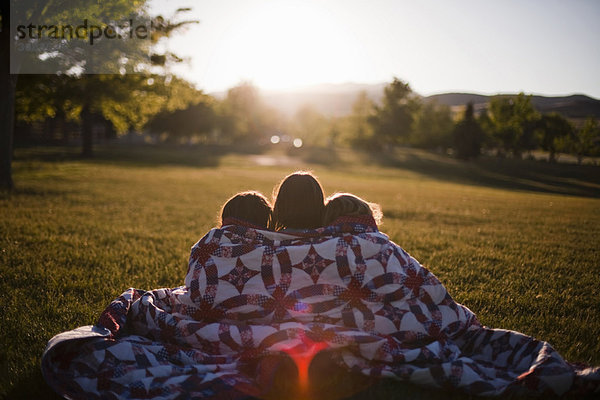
282	44
437	46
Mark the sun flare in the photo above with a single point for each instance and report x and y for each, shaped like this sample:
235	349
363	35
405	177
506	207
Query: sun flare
281	45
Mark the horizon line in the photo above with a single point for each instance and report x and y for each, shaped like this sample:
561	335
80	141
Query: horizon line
313	86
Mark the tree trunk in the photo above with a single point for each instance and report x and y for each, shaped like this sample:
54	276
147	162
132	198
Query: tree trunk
7	111
8	84
49	130
62	127
87	134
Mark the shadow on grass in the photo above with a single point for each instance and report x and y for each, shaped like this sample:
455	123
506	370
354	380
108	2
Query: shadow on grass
512	174
200	156
32	386
529	175
30	192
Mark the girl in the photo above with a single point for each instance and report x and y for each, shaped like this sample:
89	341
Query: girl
348	205
298	203
250	207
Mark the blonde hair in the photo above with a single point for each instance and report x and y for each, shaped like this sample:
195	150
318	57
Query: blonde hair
346	204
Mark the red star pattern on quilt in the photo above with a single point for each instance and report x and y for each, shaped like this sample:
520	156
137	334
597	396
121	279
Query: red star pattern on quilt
413	280
313	264
239	275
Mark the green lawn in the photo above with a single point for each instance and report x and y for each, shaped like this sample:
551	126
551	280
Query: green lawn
518	242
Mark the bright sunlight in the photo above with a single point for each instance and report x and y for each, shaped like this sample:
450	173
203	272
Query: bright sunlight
282	45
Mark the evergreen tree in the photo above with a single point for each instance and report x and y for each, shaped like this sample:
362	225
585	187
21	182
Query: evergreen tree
468	136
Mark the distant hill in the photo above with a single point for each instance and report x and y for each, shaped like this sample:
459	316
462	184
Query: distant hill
337	99
576	106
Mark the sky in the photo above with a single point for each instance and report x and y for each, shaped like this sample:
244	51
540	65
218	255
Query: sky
547	47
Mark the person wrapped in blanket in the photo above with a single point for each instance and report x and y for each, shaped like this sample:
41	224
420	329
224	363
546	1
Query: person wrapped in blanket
299	206
250	208
298	203
320	298
493	361
340	205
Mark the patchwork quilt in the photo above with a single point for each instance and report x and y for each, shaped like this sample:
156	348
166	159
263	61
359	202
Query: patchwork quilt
250	294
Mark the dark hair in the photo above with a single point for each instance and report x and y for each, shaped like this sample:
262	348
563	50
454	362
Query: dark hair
248	206
348	205
298	202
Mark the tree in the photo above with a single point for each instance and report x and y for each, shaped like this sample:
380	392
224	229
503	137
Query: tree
358	131
244	116
393	120
586	141
552	128
64	55
432	126
198	119
127	100
311	126
124	102
513	123
487	126
73	57
8	85
243	106
468	136
45	99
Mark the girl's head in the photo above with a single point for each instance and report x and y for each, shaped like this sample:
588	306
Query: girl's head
248	206
298	202
349	205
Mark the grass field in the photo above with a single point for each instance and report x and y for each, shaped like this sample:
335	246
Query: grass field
518	242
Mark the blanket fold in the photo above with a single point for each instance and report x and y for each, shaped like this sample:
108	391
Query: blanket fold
251	293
